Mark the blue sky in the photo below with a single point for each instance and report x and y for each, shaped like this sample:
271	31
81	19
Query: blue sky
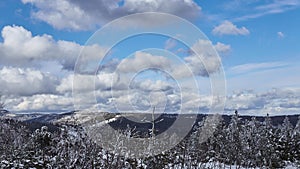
257	41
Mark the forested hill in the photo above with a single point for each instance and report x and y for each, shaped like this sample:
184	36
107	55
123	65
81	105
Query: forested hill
238	142
276	120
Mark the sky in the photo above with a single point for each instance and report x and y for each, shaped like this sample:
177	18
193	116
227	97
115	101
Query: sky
256	41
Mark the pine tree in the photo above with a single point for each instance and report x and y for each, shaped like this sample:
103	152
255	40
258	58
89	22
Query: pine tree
296	143
234	140
14	144
268	140
251	143
285	140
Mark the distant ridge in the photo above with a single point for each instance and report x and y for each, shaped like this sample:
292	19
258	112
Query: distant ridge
3	112
121	121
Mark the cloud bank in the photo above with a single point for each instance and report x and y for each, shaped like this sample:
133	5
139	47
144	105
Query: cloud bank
79	15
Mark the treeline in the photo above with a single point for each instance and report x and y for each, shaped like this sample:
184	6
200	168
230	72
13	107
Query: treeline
240	143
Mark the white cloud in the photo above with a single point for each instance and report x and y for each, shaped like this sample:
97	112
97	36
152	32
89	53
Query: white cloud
37	90
143	60
222	48
244	101
274	102
137	101
41	102
87	83
149	85
208	62
228	28
62	14
79	15
280	34
20	48
38	98
32	65
247	102
25	82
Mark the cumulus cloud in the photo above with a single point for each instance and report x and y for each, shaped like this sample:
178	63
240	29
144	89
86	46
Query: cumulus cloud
41	102
25	82
79	15
87	83
143	60
46	92
228	28
32	65
149	85
208	61
20	48
222	48
137	101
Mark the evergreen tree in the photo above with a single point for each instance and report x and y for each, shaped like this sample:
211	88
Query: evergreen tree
285	140
267	141
296	143
234	140
251	143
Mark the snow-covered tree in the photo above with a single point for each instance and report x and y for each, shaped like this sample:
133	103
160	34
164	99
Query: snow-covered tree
73	149
250	139
267	144
296	143
14	144
244	143
285	140
234	140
